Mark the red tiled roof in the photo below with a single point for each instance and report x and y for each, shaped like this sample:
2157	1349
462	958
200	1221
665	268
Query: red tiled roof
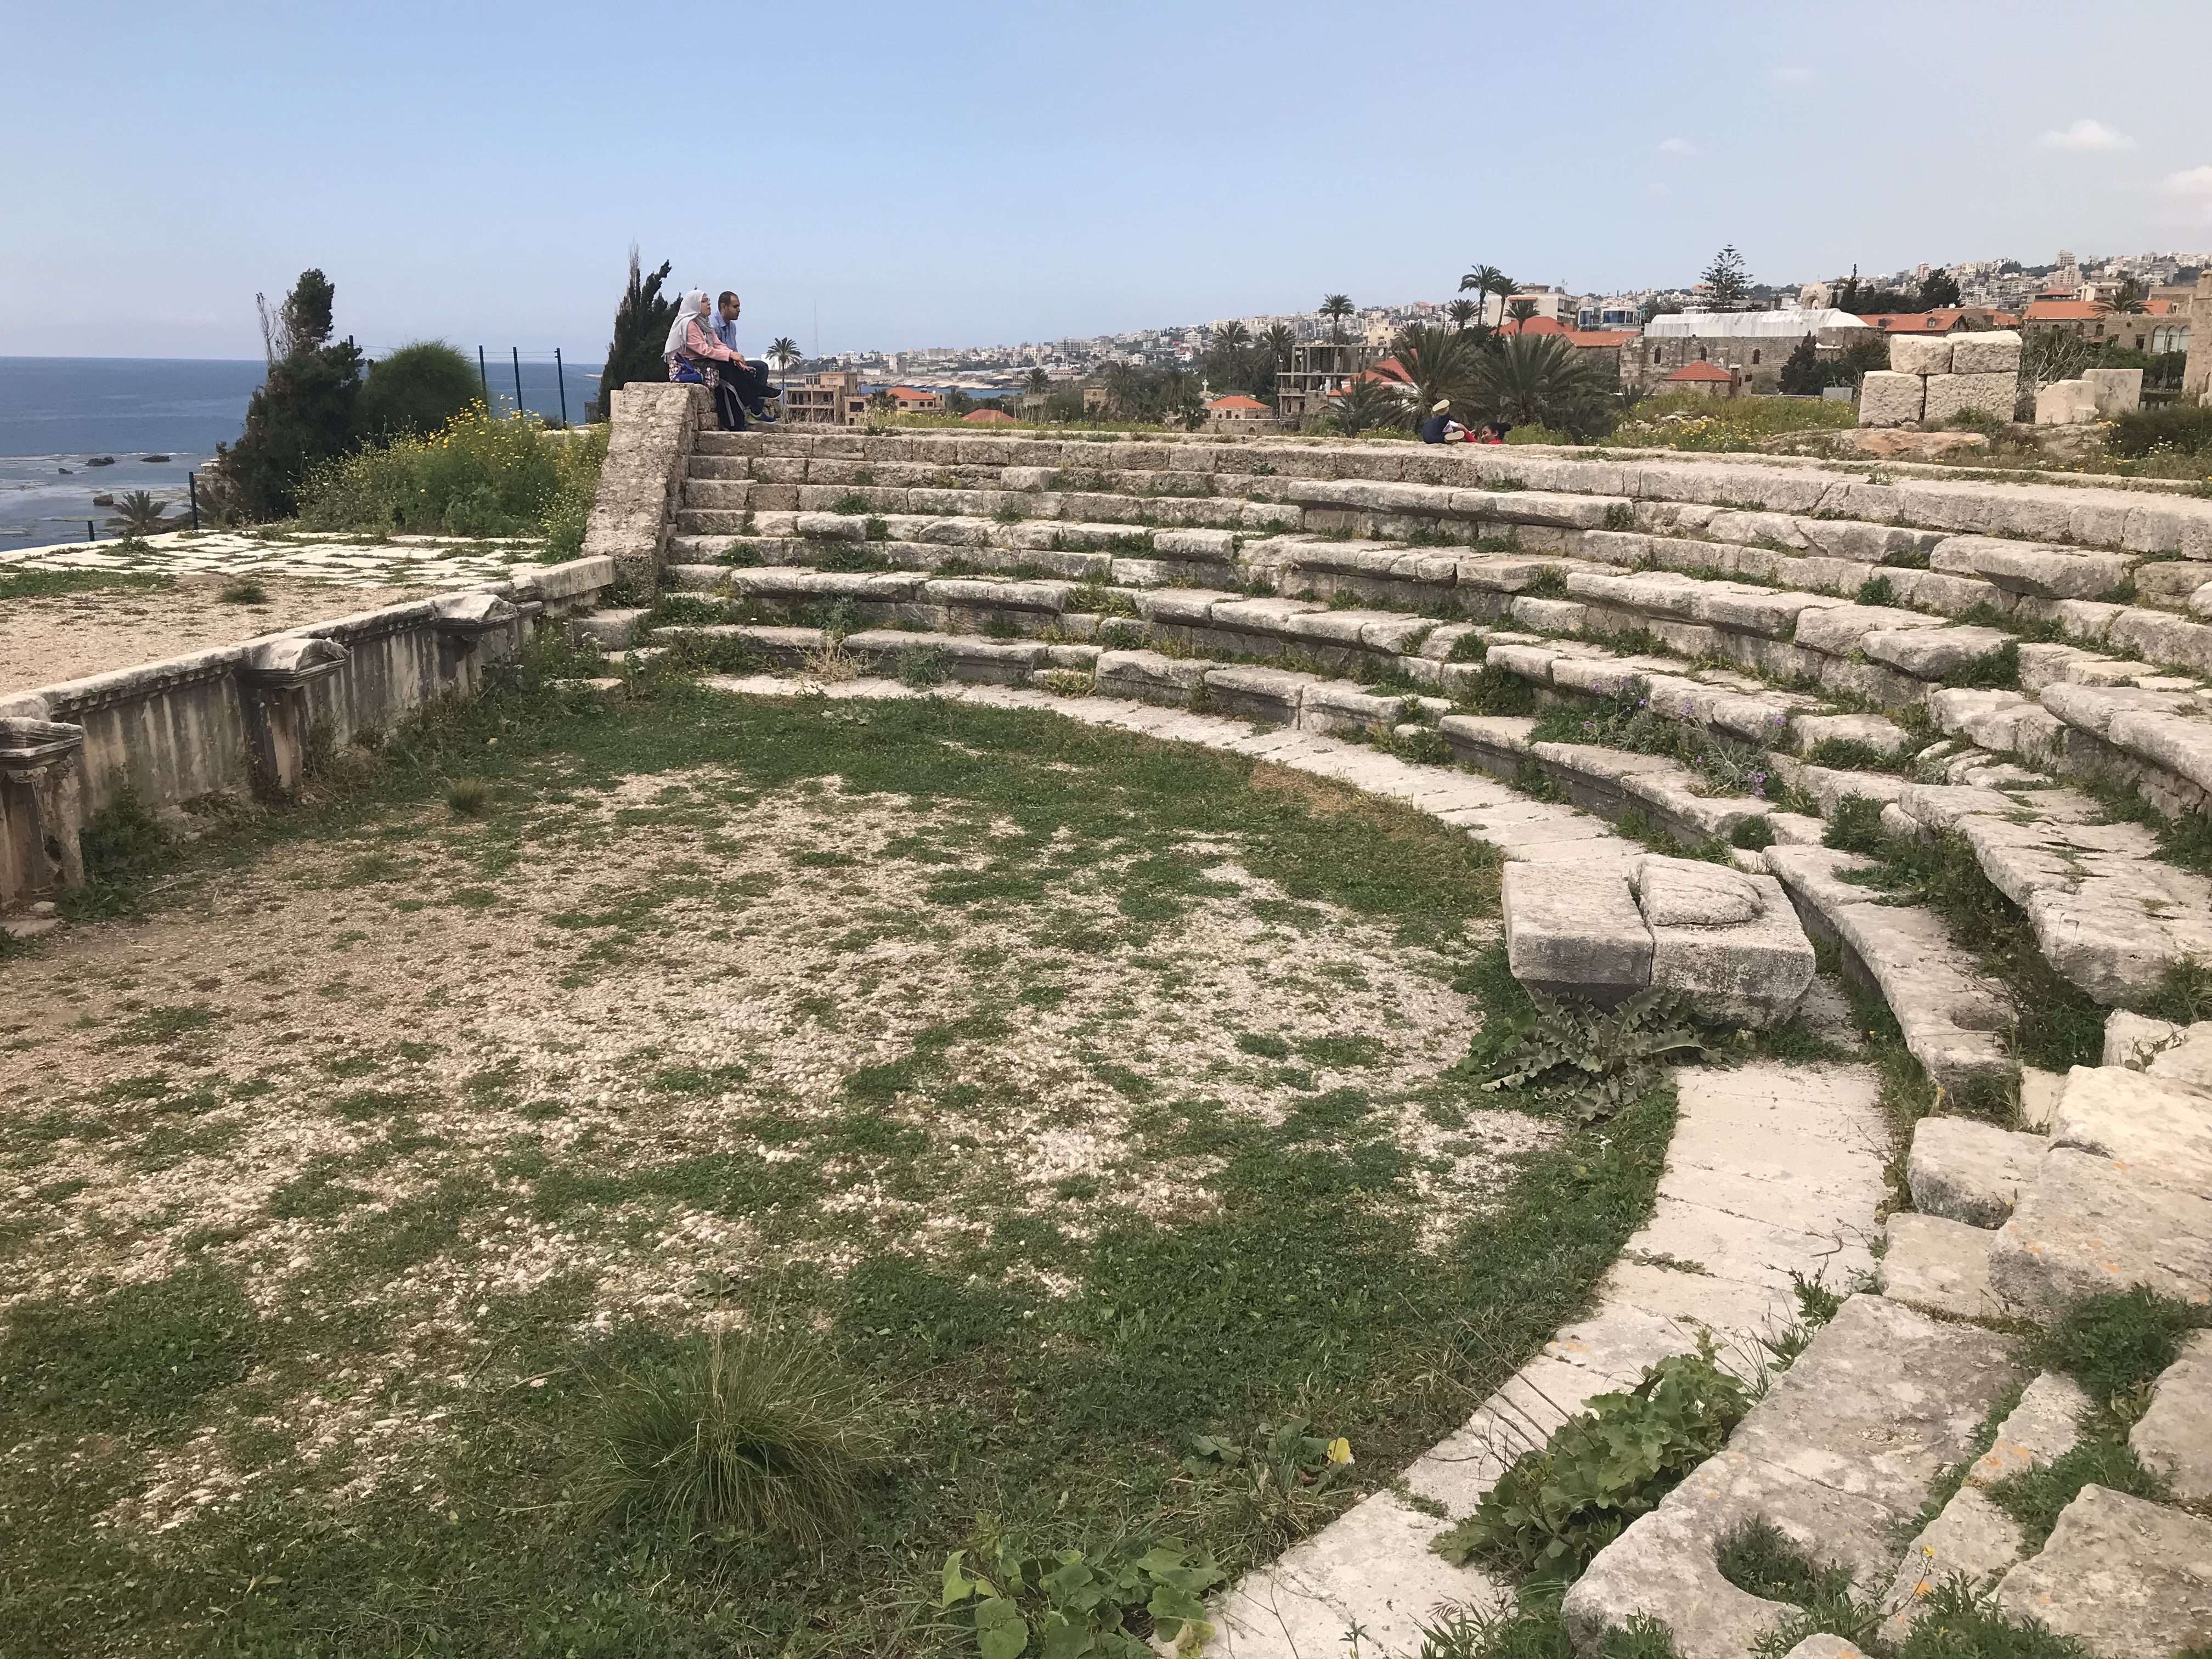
1944	319
1237	400
989	417
2065	311
1701	372
908	391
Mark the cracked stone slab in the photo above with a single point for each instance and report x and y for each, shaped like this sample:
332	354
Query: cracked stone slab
2036	1433
1883	1402
1972	1538
1972	1172
2126	1578
1573	930
2173	1438
2162	1130
2090	1224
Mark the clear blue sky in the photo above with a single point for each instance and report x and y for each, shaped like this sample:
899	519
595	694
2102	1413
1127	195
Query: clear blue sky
963	173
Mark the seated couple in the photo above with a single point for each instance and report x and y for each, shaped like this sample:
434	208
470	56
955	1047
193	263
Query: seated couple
1441	428
703	350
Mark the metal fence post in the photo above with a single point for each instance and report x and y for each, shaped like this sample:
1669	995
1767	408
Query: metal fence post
484	374
193	484
90	534
517	350
561	379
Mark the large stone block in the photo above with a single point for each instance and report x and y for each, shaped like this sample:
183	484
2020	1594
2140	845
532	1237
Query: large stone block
2173	1438
1949	394
1920	354
1891	399
1941	1267
2090	1224
1573	930
2062	403
2126	1578
1994	352
2050	572
1728	941
2117	390
2162	1129
1971	1172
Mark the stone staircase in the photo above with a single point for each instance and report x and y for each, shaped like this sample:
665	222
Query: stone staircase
1983	662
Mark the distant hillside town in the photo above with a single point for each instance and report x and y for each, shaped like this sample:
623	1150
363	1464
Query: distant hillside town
2161	283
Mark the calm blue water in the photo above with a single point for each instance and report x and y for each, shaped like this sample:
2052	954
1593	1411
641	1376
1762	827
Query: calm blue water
57	413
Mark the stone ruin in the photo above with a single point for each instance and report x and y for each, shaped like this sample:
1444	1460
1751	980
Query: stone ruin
1934	379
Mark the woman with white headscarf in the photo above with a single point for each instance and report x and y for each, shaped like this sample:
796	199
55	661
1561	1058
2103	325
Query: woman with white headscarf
692	346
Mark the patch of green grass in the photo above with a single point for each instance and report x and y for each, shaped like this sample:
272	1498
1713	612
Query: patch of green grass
1759	1559
56	584
126	849
139	1357
2034	1497
1955	1622
245	591
2115	1345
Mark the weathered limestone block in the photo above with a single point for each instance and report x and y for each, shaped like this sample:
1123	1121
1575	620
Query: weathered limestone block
1884	736
1334	706
2128	1579
2090	1224
2066	402
2118	390
1148	676
1929	653
1951	394
1823	1646
2188	1058
1972	1538
2173	1438
1727	940
1270	695
1996	352
1972	1172
2056	573
2036	1433
1891	399
1574	930
41	803
2162	1129
1911	354
1940	1267
1838	630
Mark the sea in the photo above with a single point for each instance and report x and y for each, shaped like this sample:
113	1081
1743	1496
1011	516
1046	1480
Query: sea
73	428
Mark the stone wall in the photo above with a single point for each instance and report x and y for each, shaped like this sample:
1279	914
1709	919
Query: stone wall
245	717
1934	379
643	481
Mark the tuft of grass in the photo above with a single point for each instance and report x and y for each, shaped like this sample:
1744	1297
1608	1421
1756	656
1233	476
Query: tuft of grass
2115	1345
1759	1559
245	591
737	1435
1996	669
468	798
1752	834
1851	754
2035	1498
126	847
1855	826
1956	1623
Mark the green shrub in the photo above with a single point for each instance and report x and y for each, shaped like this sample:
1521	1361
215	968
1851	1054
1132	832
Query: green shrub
1560	1506
577	460
924	667
125	847
1495	691
1752	834
2174	427
479	475
752	1433
1996	669
416	390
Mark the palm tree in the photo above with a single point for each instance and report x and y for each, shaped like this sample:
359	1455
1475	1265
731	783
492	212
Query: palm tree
1486	280
1462	312
1038	381
141	513
1523	312
1364	404
1336	307
1231	335
1435	364
1538	380
783	351
1280	339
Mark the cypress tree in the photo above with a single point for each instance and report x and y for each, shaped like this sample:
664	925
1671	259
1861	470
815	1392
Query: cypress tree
642	323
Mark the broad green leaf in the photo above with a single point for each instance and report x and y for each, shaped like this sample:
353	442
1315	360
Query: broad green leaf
958	1585
1001	1632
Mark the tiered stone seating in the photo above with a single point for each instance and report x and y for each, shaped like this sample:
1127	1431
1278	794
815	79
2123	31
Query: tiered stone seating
1785	603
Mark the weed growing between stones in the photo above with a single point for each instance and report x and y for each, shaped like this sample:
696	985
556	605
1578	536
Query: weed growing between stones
2185	842
1627	722
126	850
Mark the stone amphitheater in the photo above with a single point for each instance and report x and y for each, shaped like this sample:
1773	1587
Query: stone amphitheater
2018	673
1967	658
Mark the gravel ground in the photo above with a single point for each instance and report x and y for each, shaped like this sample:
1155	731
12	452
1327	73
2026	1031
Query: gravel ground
46	640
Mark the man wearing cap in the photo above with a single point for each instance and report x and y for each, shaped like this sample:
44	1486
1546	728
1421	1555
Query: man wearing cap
1440	428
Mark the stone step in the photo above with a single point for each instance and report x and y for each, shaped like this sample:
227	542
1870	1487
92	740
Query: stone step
2124	1576
1964	1170
1954	1022
2091	1223
1845	1446
1971	1536
2173	1436
610	629
2158	524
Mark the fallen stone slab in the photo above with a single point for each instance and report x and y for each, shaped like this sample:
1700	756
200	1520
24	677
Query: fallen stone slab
2173	1438
2089	1224
2127	1578
1968	1171
1572	931
1726	940
1972	1538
